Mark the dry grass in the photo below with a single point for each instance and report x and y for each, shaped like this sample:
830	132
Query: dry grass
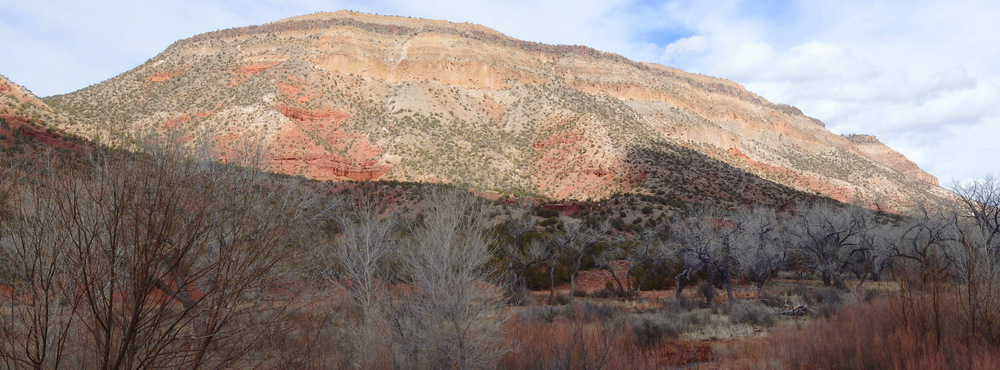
579	344
901	332
609	334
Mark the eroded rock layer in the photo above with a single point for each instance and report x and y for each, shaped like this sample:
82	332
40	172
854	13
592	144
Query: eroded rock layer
355	96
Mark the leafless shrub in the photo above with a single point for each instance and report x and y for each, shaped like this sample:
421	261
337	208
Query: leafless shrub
653	329
37	299
752	314
540	314
577	343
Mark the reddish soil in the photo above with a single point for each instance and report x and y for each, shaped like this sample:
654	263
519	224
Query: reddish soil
564	167
246	71
566	138
593	280
314	145
36	133
297	91
254	69
162	76
173	123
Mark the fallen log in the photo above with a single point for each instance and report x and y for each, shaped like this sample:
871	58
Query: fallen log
797	311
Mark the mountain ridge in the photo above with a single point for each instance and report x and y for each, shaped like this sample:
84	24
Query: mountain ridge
348	95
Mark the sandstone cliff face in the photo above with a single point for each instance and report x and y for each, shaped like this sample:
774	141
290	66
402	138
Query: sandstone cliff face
873	148
354	96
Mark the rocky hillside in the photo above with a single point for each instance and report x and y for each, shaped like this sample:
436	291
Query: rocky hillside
17	102
873	148
28	125
354	96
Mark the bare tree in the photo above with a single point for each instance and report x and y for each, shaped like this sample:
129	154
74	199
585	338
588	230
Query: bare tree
876	253
977	265
577	241
693	238
453	316
763	250
36	299
647	249
522	249
982	201
360	261
927	239
173	261
828	236
259	225
706	241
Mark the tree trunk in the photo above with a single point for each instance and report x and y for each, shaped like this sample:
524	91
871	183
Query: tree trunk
621	289
628	280
572	286
679	280
572	277
729	289
839	283
552	282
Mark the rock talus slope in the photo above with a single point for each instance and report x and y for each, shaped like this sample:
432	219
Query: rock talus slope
355	96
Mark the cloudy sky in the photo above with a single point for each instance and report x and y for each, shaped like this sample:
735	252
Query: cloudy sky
924	76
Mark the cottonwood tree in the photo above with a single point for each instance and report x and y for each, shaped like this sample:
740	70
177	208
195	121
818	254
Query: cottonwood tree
37	299
981	198
691	237
577	241
928	240
522	249
828	237
762	249
648	248
173	260
551	257
977	265
452	318
876	253
706	241
360	261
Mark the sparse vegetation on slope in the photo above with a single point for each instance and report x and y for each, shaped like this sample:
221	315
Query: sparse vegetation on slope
353	96
496	203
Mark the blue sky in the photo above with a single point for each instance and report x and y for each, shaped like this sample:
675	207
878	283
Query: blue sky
924	76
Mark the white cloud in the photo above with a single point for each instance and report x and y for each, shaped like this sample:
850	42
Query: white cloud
921	76
684	47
